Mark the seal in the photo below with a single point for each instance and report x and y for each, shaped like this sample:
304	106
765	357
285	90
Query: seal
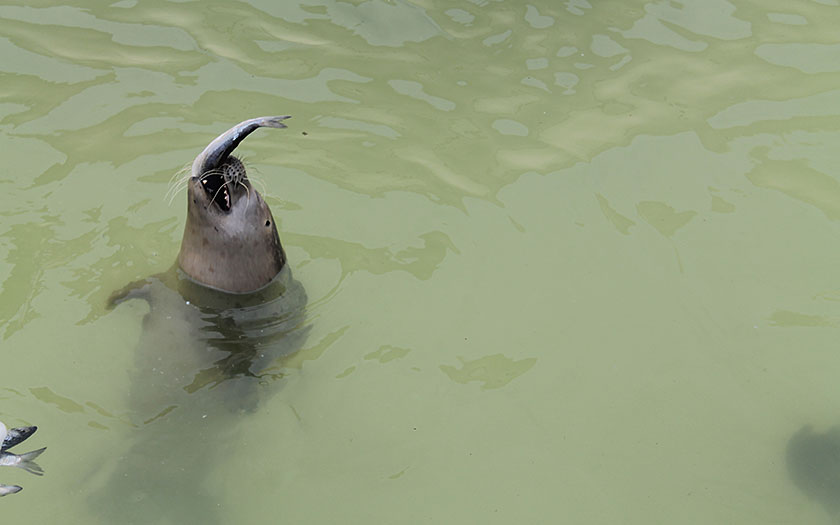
230	240
220	324
231	290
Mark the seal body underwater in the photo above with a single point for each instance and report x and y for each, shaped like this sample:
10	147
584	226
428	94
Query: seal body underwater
219	323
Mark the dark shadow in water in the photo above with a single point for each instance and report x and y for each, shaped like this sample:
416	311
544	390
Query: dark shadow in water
813	462
198	376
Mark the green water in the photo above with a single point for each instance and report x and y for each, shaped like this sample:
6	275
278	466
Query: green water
567	262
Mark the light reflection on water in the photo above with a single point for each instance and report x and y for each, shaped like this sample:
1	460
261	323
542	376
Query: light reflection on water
566	259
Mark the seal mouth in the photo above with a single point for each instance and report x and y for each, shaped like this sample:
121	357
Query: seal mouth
217	190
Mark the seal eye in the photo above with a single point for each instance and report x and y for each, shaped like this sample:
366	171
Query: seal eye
268	223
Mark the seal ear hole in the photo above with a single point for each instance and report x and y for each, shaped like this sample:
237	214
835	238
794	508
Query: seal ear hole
267	223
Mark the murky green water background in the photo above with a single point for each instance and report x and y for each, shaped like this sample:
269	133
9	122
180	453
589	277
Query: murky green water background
566	261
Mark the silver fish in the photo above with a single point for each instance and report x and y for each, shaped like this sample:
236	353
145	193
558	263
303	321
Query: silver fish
10	438
15	436
9	489
24	461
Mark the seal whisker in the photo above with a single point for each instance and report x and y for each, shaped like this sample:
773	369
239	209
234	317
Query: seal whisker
247	190
174	193
254	176
178	178
174	190
177	182
178	175
224	184
261	183
216	194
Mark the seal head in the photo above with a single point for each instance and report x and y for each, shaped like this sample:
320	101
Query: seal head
230	240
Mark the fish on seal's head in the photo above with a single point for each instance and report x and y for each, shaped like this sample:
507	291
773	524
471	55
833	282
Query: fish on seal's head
230	240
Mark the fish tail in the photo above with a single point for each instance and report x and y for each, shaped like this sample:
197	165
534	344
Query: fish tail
27	462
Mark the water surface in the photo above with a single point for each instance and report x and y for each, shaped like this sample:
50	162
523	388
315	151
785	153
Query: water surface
565	261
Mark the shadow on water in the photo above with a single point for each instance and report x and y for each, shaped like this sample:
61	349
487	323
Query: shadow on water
202	367
813	462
